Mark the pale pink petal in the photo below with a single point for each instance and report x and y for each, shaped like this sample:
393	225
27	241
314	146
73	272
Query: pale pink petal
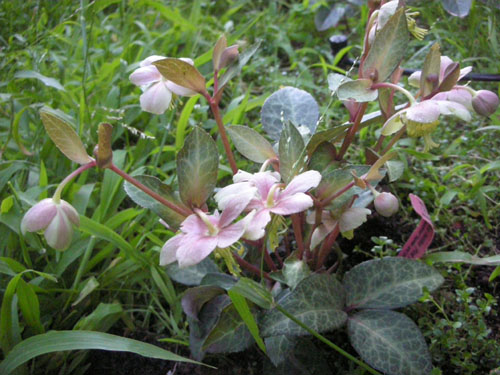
231	192
464	72
445	62
188	60
145	75
194	225
39	216
255	228
292	204
151	59
352	218
302	183
264	181
230	234
320	233
169	250
424	112
256	204
193	251
59	232
242	176
459	95
70	212
156	99
235	206
414	79
180	90
452	108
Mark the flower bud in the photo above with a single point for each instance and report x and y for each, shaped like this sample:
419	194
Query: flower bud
386	204
485	102
55	218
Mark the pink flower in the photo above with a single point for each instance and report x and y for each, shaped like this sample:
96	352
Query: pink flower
55	218
271	196
201	234
157	90
446	65
349	219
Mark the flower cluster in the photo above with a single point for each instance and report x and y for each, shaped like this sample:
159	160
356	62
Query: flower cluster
261	194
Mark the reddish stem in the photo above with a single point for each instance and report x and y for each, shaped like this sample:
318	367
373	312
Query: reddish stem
297	230
326	247
222	131
250	267
180	210
337	194
352	131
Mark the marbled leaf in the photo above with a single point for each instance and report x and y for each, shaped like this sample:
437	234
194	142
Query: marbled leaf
390	342
459	8
388	283
317	301
289	104
191	275
279	348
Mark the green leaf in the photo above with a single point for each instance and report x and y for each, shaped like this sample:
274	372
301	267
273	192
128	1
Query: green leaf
317	301
334	180
6	319
390	342
335	80
219	48
459	8
358	90
279	348
29	305
254	292
171	217
289	105
57	341
241	305
250	144
197	166
47	81
323	157
429	79
395	169
191	275
194	298
64	136
461	257
181	73
291	152
329	135
229	335
294	271
90	285
101	319
389	283
388	48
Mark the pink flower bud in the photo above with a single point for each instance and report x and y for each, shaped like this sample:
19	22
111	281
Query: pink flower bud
55	218
386	204
485	102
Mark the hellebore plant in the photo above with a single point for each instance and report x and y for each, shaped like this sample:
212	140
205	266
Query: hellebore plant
275	231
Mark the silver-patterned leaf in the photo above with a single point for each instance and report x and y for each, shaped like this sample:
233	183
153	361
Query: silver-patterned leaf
289	104
388	283
317	302
390	342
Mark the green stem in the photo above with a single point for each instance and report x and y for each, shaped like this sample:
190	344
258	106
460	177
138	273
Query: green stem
180	210
327	342
57	194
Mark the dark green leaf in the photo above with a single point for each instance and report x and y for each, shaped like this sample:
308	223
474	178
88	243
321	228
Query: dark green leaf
251	144
294	271
221	280
102	318
57	341
317	301
29	305
191	275
389	283
279	348
329	135
289	104
291	152
171	217
390	342
388	48
194	299
334	180
229	335
323	157
197	166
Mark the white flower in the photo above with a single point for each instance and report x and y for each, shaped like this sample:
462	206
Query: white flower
157	90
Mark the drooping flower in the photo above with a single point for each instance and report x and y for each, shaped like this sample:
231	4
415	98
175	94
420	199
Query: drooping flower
386	204
200	234
421	119
158	91
485	102
348	220
271	196
56	218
